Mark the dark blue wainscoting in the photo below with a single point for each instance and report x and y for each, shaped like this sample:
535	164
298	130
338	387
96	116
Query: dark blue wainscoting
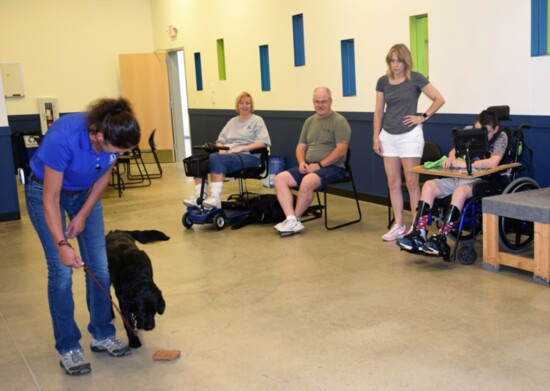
285	126
9	201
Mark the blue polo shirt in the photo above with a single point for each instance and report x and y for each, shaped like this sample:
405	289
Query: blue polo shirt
66	148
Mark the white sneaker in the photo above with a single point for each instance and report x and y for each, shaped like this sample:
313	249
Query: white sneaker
396	232
191	201
279	226
290	227
212	202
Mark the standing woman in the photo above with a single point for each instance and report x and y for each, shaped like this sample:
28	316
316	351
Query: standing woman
69	172
397	133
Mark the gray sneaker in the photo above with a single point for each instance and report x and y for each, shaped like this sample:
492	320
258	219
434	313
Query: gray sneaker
74	363
112	345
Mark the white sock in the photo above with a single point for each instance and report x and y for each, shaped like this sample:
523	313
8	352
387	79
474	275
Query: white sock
216	190
291	217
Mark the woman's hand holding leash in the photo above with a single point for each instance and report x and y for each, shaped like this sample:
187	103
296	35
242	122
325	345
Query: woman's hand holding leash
69	256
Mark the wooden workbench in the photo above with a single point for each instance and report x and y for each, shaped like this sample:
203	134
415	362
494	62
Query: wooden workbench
532	205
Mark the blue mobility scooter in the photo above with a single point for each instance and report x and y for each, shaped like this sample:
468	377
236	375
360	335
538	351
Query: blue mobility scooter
236	207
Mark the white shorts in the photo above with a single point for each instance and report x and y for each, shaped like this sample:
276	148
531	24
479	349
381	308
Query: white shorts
410	144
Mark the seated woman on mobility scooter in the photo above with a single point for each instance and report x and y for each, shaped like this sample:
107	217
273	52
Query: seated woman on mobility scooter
241	134
461	190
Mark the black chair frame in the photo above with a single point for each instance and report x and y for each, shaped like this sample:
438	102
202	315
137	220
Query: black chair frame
240	200
316	211
123	167
153	151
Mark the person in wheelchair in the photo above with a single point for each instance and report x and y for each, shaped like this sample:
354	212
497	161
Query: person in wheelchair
460	188
241	134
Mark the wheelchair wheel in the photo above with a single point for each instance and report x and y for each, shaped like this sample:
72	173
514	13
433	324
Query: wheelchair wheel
516	235
218	221
186	220
467	254
472	226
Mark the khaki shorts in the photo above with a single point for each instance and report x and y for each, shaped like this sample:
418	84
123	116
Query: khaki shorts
449	185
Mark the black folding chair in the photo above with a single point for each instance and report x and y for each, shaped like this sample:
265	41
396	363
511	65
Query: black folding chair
317	210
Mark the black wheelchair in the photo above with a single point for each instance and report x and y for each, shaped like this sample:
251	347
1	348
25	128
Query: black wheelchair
515	236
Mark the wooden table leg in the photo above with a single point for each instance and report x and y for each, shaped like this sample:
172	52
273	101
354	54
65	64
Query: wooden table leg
490	243
542	254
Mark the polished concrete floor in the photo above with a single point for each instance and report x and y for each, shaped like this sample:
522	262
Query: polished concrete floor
322	310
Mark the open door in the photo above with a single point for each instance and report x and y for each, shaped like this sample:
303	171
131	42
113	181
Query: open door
144	82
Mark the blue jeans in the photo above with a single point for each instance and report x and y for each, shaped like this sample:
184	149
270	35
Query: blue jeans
230	162
92	250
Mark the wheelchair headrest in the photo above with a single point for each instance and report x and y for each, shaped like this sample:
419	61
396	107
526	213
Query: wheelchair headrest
502	112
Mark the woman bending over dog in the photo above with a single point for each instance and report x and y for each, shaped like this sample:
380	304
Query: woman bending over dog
68	174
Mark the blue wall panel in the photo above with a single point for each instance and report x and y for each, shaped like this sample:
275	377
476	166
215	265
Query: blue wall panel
9	201
298	39
285	126
264	68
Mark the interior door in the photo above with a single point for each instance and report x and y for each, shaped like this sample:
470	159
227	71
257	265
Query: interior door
144	82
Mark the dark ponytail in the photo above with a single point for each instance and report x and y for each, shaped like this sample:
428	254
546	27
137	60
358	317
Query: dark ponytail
115	119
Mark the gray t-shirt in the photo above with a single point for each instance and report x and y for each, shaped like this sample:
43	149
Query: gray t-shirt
401	100
237	133
322	134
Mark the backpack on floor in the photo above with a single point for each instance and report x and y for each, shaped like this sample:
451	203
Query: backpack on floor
265	208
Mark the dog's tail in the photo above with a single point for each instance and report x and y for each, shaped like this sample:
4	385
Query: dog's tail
148	236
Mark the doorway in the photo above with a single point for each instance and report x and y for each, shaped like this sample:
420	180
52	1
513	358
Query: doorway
179	104
420	44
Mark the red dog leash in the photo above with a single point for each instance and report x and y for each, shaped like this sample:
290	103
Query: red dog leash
126	323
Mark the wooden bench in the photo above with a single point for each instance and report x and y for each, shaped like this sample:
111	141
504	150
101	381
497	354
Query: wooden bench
532	205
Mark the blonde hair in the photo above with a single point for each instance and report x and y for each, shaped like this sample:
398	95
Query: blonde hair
244	94
404	55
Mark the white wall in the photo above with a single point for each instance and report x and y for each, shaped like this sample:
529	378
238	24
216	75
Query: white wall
69	48
479	50
3	112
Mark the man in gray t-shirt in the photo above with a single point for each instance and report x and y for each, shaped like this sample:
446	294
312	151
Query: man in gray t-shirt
321	155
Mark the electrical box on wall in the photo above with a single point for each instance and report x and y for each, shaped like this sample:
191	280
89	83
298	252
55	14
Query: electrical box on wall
12	77
47	108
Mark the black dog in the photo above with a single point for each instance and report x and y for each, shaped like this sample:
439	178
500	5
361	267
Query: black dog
132	277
